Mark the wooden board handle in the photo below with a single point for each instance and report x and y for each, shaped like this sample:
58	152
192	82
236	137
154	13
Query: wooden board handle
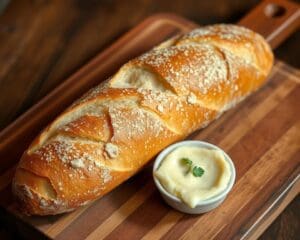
273	19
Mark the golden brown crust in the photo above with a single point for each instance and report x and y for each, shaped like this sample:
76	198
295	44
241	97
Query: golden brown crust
152	101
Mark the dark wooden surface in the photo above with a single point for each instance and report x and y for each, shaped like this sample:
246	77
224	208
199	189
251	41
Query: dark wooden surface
43	42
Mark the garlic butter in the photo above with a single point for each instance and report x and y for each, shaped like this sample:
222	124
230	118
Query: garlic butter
177	174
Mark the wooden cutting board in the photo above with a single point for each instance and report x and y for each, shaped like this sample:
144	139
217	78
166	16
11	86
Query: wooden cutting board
262	135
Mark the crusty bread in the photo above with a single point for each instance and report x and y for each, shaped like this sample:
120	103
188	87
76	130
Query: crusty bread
158	98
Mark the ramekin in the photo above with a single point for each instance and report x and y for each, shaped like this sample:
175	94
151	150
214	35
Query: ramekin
204	205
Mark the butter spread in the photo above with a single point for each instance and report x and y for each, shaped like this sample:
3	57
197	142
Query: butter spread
175	177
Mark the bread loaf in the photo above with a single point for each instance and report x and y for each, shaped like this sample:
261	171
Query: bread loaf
154	100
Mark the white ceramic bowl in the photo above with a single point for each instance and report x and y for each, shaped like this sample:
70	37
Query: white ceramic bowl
202	206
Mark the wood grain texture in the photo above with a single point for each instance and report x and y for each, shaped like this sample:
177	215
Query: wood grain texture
136	203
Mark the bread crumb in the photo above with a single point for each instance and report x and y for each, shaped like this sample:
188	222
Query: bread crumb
191	99
111	150
97	164
77	163
160	108
90	167
27	191
105	175
43	203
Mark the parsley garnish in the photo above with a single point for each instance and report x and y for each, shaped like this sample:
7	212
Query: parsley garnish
187	161
196	170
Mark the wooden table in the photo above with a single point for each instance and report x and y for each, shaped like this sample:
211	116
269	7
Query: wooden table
43	42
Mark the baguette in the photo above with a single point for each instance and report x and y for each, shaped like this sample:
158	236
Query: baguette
153	100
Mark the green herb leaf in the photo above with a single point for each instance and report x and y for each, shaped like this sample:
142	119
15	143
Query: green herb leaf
198	171
187	161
